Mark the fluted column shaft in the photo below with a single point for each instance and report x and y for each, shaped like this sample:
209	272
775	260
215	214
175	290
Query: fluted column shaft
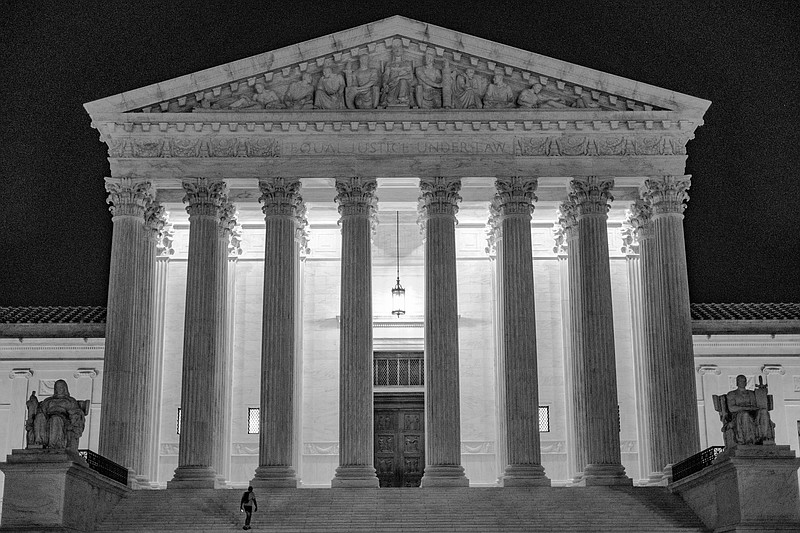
594	347
442	408
203	356
576	377
282	205
675	371
357	201
514	203
124	420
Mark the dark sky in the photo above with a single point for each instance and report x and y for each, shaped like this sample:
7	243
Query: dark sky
741	223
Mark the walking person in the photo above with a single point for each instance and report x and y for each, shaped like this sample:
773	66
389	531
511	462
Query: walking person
248	505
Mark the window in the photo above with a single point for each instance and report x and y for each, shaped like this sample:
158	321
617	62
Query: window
253	420
544	418
178	422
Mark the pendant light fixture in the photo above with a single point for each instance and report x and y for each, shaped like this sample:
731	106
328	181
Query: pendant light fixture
398	292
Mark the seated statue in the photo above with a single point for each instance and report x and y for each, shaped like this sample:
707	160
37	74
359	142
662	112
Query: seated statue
363	87
745	414
498	94
300	94
398	80
429	84
330	89
467	90
56	422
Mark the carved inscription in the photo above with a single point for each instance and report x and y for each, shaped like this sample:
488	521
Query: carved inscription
395	147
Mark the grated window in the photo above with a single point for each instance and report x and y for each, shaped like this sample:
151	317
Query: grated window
253	420
544	418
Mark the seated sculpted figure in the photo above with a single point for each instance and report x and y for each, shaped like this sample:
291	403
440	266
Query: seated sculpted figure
398	79
429	84
499	94
330	89
300	94
58	421
745	414
467	90
362	85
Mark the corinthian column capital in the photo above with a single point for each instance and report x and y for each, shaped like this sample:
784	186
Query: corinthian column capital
155	220
667	194
515	196
439	196
280	196
204	196
356	196
128	196
591	194
568	220
636	227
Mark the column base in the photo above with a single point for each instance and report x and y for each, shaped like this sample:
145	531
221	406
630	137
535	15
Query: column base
444	476
524	476
140	482
656	479
194	477
604	475
274	477
355	476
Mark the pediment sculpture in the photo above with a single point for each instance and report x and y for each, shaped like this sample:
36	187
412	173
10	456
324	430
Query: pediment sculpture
57	422
393	79
745	415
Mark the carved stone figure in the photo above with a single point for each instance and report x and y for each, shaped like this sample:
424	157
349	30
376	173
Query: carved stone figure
499	94
32	406
531	98
745	414
584	100
429	84
398	79
467	90
263	98
59	419
300	94
330	89
363	88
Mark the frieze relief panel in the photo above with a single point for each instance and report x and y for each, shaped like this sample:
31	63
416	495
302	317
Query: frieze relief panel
395	73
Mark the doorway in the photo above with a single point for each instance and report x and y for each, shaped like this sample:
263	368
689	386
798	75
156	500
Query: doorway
399	438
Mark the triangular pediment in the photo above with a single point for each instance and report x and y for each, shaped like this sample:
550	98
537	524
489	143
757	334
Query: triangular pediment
395	50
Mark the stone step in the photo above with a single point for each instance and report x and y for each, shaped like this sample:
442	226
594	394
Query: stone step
430	509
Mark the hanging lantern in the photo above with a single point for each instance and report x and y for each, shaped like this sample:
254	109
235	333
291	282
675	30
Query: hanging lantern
398	292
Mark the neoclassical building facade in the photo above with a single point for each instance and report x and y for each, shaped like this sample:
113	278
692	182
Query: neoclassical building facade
263	210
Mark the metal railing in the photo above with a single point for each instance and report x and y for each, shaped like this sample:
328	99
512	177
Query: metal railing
106	467
399	372
695	463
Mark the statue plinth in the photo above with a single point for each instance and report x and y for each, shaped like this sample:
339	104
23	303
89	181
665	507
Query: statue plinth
748	488
52	488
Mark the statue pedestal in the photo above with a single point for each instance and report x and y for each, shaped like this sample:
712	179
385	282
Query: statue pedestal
54	489
748	488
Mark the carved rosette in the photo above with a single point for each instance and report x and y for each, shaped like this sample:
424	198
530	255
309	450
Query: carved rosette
356	197
667	194
205	197
128	197
155	219
568	220
439	197
591	195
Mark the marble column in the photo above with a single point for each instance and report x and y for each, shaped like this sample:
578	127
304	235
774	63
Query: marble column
357	204
124	419
514	203
576	399
234	251
594	342
16	435
203	354
666	196
164	251
282	205
439	205
631	246
494	244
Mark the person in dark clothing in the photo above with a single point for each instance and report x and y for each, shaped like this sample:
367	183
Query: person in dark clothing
248	505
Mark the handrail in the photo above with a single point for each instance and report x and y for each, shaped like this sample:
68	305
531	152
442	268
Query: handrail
105	466
695	463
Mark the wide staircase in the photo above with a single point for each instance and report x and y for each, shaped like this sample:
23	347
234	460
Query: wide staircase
596	509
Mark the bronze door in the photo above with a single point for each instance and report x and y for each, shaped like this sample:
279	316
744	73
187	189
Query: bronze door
399	446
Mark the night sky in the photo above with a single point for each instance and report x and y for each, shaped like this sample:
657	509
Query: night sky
741	222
